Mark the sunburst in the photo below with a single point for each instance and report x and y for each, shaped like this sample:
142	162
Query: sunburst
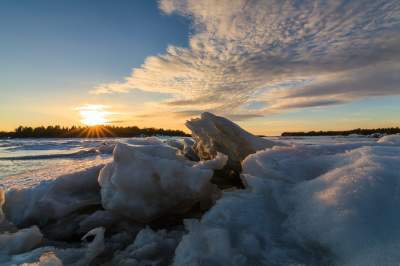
95	117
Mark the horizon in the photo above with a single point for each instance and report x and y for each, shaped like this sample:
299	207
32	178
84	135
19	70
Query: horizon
272	67
186	131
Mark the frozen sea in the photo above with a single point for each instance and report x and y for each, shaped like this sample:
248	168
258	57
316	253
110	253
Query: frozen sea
25	162
306	201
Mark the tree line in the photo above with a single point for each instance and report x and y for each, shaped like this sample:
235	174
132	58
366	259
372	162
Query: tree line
358	131
88	131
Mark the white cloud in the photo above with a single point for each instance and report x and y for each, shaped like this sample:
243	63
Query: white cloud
243	51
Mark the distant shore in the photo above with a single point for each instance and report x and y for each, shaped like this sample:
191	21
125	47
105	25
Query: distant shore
377	132
101	131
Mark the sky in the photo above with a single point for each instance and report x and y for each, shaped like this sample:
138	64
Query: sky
271	66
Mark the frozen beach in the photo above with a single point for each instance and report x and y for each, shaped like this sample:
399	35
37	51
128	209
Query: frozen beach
222	197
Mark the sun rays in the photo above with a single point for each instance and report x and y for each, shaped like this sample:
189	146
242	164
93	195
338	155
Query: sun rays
98	131
95	116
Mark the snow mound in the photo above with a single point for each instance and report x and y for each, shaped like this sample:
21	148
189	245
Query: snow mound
217	134
145	182
296	163
308	205
390	139
354	208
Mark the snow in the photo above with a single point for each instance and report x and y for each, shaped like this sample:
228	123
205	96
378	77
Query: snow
390	139
98	218
243	228
354	207
79	256
95	247
185	146
54	199
217	134
20	241
327	202
145	182
311	205
2	200
47	259
149	248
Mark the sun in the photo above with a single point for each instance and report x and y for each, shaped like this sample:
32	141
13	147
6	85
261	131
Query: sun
93	115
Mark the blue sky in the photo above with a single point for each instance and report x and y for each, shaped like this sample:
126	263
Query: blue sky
54	51
272	66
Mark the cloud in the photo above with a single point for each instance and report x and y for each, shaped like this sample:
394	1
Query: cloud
236	117
285	54
383	79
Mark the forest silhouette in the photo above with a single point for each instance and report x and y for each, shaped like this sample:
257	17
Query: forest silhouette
358	131
100	131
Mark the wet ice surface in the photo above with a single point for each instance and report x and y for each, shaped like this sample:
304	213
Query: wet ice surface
22	155
303	200
25	162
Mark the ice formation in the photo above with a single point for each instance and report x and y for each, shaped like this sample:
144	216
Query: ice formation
149	248
20	241
47	259
100	218
145	182
52	200
390	139
217	134
185	146
79	256
310	205
2	200
319	204
354	207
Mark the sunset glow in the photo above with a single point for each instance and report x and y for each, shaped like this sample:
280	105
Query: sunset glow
93	115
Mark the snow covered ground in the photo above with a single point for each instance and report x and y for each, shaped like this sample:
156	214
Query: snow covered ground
305	201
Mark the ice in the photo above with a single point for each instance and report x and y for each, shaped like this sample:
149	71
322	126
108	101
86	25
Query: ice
105	147
2	200
20	241
98	218
5	225
54	199
390	139
308	205
217	163
95	247
185	146
324	201
354	208
149	248
79	256
296	162
144	141
217	134
145	182
47	259
243	228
